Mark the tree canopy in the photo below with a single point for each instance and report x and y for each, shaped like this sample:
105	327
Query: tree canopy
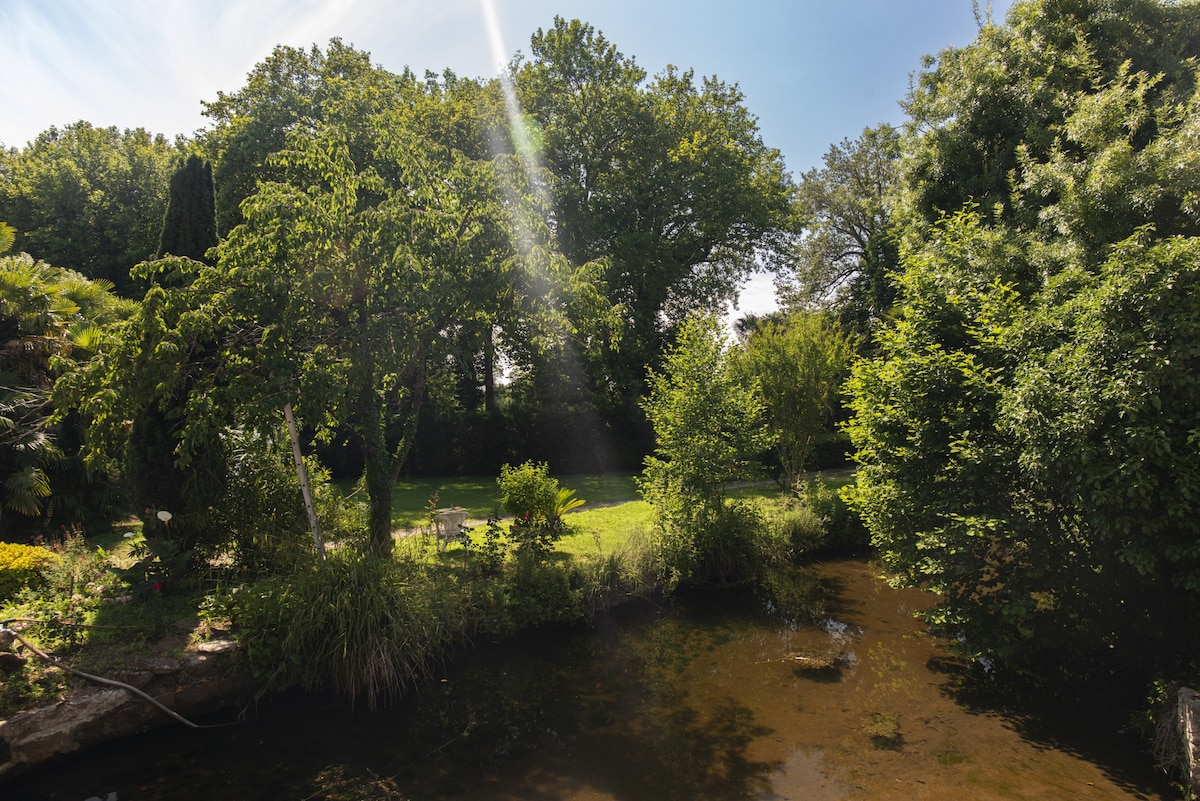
847	249
89	199
666	181
1027	435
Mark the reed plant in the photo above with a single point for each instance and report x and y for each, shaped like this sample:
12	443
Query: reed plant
369	628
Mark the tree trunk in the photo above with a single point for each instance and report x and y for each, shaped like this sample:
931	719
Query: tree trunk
305	490
489	371
377	474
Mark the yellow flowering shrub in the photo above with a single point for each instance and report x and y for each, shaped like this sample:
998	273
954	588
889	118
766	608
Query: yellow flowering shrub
19	564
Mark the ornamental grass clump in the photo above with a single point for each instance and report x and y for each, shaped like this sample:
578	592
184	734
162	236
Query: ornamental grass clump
369	628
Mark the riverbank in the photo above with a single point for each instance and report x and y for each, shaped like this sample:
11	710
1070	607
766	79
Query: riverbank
695	697
187	677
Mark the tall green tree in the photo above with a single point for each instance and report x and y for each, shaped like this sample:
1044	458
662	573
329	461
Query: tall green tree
1027	435
709	432
798	364
373	242
666	182
349	274
89	199
847	249
190	225
154	477
292	89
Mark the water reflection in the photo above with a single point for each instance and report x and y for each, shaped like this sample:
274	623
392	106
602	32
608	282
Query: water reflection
826	689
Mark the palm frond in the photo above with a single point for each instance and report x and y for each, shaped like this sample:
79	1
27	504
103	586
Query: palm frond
24	490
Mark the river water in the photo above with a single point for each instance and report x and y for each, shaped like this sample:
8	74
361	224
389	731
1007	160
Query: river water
831	691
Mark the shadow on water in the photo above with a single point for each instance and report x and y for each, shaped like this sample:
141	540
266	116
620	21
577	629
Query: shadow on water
824	688
1085	724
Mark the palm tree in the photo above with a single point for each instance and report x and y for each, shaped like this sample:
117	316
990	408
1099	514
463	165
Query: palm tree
49	317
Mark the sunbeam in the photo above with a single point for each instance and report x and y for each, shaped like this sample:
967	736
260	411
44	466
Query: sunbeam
545	281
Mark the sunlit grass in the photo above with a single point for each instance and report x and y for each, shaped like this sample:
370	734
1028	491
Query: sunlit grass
606	530
480	495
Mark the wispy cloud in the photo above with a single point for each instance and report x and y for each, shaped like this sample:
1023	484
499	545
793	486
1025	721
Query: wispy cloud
150	63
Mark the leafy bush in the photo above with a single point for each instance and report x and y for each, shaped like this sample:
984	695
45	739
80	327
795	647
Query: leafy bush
159	563
843	527
527	492
21	565
537	505
78	567
714	546
708	431
261	514
801	528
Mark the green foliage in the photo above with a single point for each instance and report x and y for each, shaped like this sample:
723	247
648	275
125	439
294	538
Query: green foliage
374	237
1033	461
841	527
1117	362
798	365
368	628
537	505
73	588
848	250
565	501
159	563
190	225
21	565
261	512
490	553
1026	437
51	320
716	546
801	528
89	199
708	429
666	185
527	492
979	113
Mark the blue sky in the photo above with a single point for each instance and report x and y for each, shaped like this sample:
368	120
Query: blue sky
813	71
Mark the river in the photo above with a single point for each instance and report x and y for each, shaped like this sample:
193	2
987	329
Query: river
835	692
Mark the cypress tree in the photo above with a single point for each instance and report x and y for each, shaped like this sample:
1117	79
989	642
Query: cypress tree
190	223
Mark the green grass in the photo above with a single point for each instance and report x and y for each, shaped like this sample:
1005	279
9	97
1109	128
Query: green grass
480	495
606	529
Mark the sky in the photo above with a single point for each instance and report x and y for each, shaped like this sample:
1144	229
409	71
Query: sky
814	72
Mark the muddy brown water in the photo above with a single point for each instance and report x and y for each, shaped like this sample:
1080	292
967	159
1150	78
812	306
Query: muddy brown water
837	692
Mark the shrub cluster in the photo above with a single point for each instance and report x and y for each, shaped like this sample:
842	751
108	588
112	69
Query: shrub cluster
21	565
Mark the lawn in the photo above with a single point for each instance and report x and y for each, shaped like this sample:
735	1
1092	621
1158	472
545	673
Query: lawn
480	496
